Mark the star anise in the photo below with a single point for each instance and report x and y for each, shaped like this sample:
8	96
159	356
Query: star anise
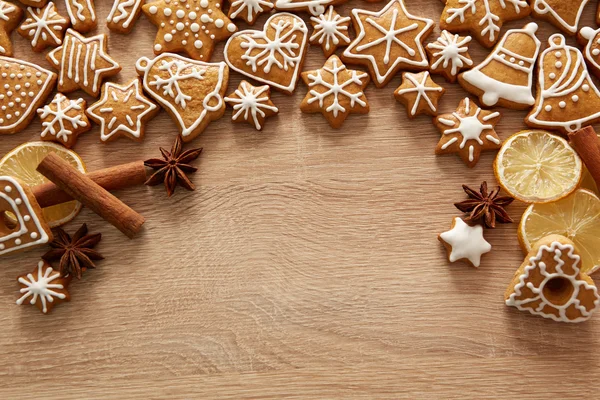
172	169
76	254
485	207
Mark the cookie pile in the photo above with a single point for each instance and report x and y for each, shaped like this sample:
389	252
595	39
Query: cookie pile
535	166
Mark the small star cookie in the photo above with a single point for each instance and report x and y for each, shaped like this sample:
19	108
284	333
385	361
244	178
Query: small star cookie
419	94
82	14
43	27
564	14
10	16
330	31
122	110
590	39
468	131
43	288
64	120
251	104
123	15
465	243
189	26
249	10
335	92
449	54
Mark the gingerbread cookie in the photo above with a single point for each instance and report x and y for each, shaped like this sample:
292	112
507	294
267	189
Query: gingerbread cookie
590	39
64	120
82	63
28	229
82	14
465	243
251	104
564	14
483	19
123	110
190	91
123	15
314	7
10	16
249	10
449	54
388	41
567	98
43	288
43	27
330	30
34	3
419	94
189	26
468	131
274	55
335	92
24	88
550	283
505	77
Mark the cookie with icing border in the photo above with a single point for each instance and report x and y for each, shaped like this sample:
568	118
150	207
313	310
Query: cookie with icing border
505	77
251	104
564	14
313	7
123	15
43	287
464	242
10	17
419	94
550	283
589	38
43	27
63	120
82	14
449	55
388	41
274	55
330	30
249	10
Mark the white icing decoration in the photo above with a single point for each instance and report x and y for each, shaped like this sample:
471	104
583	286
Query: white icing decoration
5	10
77	10
590	34
329	29
314	7
170	86
467	242
450	52
421	89
251	104
124	11
43	22
252	7
58	126
543	7
42	288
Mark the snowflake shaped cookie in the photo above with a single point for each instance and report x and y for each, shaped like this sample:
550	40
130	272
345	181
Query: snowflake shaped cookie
10	16
388	41
482	18
335	92
64	120
314	7
82	14
449	54
122	110
251	104
43	27
189	26
124	14
274	55
43	288
465	243
468	131
550	283
330	31
564	14
419	94
248	10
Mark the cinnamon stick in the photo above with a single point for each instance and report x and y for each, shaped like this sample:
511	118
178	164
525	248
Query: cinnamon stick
113	178
585	141
90	194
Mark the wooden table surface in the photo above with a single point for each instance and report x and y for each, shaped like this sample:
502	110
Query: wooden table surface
305	265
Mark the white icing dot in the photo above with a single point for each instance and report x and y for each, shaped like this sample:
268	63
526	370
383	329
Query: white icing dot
34	235
153	10
595	52
219	23
168	37
558	64
521	63
562	104
27	218
585	87
18	202
193	15
195	27
204	3
558	54
167	12
548	108
231	27
575	98
7	189
1	247
180	13
180	26
157	47
198	44
512	60
184	42
18	242
205	18
552	75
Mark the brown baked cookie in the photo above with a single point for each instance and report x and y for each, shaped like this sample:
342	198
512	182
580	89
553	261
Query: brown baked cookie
313	7
123	15
63	120
43	27
249	10
251	104
330	30
419	94
82	14
10	17
449	55
564	14
590	39
43	287
34	3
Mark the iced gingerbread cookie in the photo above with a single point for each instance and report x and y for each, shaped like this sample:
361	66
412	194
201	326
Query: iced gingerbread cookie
24	88
330	30
468	131
82	14
564	14
464	242
335	92
550	283
189	26
43	288
388	41
29	230
10	17
449	54
590	39
567	98
505	77
274	55
82	63
63	120
483	19
122	110
190	91
251	104
419	94
314	7
249	10
34	3
123	15
44	27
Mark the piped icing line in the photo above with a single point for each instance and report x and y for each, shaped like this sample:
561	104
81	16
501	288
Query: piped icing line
41	287
542	7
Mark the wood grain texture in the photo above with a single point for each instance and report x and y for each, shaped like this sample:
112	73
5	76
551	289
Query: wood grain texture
305	265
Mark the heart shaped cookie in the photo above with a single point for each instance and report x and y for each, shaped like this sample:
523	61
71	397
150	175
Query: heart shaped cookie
274	55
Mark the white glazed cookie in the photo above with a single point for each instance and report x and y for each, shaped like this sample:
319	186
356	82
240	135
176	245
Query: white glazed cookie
43	27
123	15
82	14
10	17
251	104
63	120
330	30
564	14
449	54
465	243
43	288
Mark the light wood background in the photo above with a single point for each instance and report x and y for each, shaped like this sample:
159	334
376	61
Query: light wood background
305	265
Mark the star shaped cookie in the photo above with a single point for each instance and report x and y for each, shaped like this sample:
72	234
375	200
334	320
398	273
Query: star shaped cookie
388	41
64	120
330	30
10	16
44	27
123	110
465	243
249	10
251	104
468	131
419	94
189	26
